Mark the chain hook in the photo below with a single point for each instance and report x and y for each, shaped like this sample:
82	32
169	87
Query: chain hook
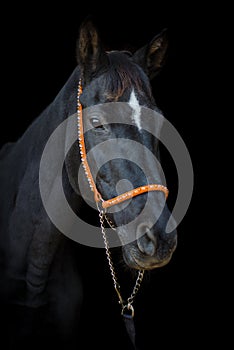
127	310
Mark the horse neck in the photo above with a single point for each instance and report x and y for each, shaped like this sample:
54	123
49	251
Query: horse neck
35	137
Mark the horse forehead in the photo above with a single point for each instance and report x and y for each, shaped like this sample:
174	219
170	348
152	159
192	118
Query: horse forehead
136	109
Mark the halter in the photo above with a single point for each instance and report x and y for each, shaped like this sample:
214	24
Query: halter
97	196
127	309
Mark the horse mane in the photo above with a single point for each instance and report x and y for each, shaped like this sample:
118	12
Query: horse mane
124	73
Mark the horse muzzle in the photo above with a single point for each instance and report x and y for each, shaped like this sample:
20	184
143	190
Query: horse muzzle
151	249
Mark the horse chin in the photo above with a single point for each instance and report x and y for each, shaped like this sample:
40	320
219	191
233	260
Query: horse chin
138	261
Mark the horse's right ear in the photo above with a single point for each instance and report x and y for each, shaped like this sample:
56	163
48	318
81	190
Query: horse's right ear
90	54
151	57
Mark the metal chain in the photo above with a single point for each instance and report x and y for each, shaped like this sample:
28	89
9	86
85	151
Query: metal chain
137	286
125	305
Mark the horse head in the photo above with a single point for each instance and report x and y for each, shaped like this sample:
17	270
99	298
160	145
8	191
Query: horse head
116	99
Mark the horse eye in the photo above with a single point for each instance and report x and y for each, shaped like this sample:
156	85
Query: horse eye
96	123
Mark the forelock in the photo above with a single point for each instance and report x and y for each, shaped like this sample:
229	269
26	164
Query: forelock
123	74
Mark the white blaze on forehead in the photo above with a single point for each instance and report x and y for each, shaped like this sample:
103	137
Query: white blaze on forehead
134	104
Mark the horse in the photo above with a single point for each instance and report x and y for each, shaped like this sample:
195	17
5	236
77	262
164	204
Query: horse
41	288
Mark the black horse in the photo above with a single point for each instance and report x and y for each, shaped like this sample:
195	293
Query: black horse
40	280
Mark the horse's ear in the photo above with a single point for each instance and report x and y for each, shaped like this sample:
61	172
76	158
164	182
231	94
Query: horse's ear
90	54
151	57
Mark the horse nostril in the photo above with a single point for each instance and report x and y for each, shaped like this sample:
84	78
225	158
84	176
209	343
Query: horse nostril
146	240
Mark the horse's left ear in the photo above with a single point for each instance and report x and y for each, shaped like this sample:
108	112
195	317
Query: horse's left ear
151	57
91	56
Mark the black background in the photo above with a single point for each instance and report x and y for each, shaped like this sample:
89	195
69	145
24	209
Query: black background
38	55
